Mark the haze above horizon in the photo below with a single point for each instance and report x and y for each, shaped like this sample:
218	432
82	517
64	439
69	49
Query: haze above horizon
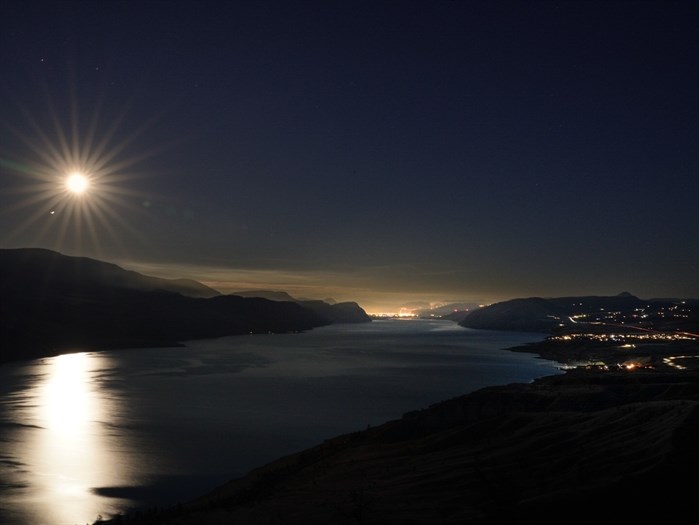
388	153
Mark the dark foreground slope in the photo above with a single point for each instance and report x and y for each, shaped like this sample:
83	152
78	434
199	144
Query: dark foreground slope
51	303
584	447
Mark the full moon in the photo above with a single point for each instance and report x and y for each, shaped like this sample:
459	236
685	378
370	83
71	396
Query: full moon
76	183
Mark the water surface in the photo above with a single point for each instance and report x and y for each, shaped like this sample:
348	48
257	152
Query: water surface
96	433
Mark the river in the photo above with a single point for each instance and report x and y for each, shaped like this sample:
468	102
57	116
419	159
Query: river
91	434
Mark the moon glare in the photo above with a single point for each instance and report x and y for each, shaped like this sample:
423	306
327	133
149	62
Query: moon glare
77	183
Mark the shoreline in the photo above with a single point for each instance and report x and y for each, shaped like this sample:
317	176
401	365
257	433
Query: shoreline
427	466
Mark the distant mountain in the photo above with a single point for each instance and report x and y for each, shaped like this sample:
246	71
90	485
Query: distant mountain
52	303
447	310
345	312
37	267
544	315
532	314
272	295
188	287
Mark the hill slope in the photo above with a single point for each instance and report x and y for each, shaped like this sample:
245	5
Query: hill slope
546	315
35	268
344	312
547	452
52	303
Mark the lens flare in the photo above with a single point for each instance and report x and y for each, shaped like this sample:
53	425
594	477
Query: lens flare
77	183
75	189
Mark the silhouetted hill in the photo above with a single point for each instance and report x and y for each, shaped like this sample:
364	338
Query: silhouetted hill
532	314
623	310
52	303
34	268
272	295
345	312
189	287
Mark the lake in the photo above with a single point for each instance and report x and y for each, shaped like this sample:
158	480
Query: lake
96	433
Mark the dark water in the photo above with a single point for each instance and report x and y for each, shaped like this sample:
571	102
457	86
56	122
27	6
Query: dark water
90	434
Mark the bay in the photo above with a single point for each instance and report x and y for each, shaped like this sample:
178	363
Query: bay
91	434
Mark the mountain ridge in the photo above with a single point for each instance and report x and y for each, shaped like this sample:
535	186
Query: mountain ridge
78	270
342	312
54	303
553	314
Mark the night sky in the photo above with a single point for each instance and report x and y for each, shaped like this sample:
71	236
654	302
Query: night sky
382	152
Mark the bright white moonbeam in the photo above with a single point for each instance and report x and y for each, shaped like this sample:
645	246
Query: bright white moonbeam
78	178
77	183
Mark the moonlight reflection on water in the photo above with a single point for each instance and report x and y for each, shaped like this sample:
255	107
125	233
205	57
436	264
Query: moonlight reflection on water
66	447
88	434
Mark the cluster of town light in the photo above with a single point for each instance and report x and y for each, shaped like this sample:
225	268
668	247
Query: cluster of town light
656	336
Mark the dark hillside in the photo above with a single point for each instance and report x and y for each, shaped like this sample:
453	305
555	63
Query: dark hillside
35	269
532	314
53	303
345	312
580	448
624	311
